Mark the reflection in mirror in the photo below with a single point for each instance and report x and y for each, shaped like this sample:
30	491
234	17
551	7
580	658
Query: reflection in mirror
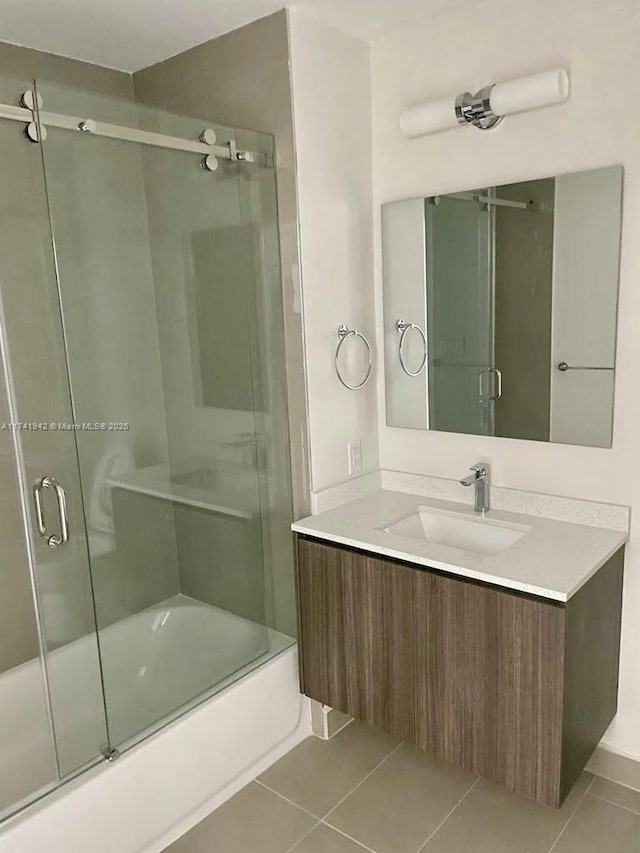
500	308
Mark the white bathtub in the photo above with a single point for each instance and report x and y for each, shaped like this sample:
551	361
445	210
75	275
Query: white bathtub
153	662
161	658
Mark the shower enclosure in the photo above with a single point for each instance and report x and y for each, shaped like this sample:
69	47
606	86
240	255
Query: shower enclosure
146	560
460	234
489	271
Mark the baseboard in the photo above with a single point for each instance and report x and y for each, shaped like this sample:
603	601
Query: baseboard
615	767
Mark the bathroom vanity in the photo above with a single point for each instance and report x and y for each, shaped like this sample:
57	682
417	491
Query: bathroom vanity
501	658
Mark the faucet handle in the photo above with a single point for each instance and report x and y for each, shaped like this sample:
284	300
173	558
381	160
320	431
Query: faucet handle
478	474
482	469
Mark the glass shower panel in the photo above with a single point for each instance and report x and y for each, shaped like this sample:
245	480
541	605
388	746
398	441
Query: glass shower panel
28	763
259	210
198	248
156	295
38	442
460	314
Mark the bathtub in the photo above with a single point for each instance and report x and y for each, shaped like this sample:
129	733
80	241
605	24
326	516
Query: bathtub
153	662
182	647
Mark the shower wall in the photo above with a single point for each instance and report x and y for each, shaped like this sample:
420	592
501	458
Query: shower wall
24	64
242	79
224	80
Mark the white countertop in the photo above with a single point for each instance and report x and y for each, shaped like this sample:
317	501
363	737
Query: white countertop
552	560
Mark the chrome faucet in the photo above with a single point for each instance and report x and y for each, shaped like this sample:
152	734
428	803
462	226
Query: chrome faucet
479	478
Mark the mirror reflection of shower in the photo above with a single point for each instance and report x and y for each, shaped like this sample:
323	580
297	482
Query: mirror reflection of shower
513	293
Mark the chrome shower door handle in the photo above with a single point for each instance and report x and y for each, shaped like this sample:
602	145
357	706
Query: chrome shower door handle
52	540
37	499
498	374
497	393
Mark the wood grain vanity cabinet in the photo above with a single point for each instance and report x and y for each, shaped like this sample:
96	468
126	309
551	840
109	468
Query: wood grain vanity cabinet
513	687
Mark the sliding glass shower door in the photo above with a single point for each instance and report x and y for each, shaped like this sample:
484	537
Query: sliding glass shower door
161	266
51	698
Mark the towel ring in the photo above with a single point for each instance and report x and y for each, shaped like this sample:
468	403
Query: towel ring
403	328
345	332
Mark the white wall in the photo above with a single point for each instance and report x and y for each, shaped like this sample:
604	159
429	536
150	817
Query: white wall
332	119
597	42
404	261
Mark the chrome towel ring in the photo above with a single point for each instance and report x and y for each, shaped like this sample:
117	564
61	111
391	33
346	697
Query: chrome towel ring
403	328
345	332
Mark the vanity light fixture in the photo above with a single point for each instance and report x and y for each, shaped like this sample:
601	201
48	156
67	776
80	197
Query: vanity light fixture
488	106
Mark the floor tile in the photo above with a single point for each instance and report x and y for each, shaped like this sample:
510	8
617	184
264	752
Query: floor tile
617	794
255	819
400	804
323	839
609	765
599	827
494	820
317	774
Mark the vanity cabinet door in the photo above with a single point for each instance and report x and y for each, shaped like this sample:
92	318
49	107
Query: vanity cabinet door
489	689
357	633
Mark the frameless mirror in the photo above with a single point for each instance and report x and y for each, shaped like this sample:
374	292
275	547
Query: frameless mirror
500	308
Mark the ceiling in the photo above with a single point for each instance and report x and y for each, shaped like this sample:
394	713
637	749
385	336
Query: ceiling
133	34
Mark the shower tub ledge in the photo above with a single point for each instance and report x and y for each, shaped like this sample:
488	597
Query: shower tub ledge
162	787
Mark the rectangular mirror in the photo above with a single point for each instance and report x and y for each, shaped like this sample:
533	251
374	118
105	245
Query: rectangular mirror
500	309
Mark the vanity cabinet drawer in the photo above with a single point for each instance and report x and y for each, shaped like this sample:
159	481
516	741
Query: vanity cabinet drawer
512	687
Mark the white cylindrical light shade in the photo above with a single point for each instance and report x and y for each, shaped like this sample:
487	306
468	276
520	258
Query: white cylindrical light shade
529	93
429	118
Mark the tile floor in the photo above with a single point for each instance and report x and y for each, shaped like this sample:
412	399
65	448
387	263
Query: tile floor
365	791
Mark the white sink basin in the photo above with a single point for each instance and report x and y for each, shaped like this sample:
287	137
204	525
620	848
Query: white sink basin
456	530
